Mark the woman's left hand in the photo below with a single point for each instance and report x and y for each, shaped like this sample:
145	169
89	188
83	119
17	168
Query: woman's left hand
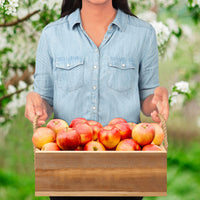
160	100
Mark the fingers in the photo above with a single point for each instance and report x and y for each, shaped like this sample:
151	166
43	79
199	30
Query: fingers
35	106
154	116
160	99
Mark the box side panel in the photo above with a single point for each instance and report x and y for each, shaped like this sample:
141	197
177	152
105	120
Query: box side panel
106	160
101	175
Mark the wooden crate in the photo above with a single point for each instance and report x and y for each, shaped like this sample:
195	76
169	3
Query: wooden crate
109	173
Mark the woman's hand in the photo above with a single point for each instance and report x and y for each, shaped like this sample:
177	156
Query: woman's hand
160	101
35	105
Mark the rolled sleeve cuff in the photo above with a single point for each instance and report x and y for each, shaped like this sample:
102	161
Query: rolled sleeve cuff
146	92
48	99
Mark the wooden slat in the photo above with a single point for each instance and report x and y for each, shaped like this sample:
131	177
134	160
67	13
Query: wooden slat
100	173
52	160
100	194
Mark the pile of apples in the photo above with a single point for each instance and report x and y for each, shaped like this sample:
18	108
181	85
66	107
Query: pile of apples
85	135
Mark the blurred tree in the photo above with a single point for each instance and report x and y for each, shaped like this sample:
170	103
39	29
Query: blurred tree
21	23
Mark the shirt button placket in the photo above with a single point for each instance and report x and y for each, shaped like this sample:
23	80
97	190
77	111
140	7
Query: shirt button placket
95	80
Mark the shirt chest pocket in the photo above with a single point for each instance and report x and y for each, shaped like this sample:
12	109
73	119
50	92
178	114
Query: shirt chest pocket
69	72
122	74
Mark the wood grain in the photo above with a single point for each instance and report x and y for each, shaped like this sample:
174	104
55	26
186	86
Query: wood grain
100	173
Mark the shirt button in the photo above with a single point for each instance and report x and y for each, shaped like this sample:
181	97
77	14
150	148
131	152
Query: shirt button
123	65
68	65
94	108
95	67
96	50
94	87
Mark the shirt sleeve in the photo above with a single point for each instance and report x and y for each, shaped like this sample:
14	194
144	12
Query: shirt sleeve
149	66
43	78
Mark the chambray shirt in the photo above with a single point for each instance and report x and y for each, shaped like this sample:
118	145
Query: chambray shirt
80	79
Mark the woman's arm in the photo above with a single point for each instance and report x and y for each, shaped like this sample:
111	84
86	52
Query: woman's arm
156	103
35	105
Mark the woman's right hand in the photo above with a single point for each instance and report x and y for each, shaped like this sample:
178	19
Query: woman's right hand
35	105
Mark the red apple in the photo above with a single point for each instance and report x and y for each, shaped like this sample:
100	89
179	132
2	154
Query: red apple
151	147
143	133
131	125
159	134
124	130
117	121
42	136
57	124
128	145
76	121
94	146
68	139
79	148
96	126
109	136
85	131
51	146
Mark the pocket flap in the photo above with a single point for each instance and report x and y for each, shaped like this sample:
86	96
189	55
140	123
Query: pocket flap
121	63
69	62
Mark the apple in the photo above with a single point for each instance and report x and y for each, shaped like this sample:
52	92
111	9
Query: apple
131	125
94	146
117	121
79	148
51	146
85	132
76	121
124	130
151	147
109	136
159	134
128	145
143	133
57	124
68	139
43	135
96	126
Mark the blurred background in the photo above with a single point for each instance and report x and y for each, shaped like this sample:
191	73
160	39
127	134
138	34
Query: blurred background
177	24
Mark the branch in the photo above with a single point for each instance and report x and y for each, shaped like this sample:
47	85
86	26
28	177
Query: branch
10	95
19	20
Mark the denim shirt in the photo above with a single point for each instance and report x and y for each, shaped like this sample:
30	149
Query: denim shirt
80	79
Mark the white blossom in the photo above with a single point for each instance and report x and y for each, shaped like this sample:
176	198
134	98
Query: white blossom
1	78
19	72
166	3
162	32
11	89
188	33
2	3
194	3
22	85
173	100
183	86
11	7
148	16
171	47
2	119
172	25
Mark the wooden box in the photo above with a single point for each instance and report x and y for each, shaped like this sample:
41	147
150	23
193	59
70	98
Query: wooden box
109	173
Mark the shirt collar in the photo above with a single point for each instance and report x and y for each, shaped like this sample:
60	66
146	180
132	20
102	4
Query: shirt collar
74	18
120	19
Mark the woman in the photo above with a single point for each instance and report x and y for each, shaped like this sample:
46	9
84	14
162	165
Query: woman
99	62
